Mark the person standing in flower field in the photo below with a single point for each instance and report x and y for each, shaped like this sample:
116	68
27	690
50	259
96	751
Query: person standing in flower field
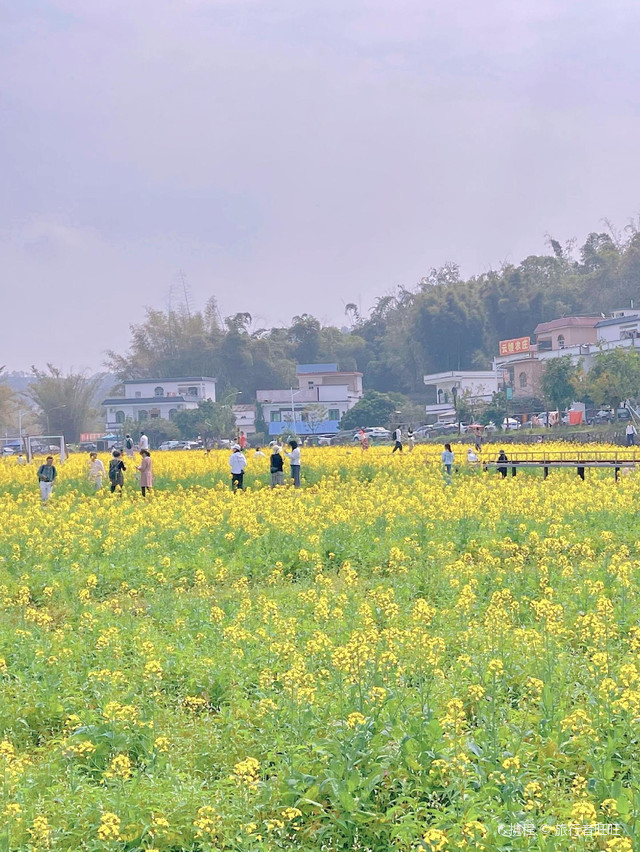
237	463
143	443
146	472
276	466
242	441
128	446
631	433
447	461
294	462
46	477
116	471
397	437
96	471
411	439
502	463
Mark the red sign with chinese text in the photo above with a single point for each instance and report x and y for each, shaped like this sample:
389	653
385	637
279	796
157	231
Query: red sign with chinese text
515	346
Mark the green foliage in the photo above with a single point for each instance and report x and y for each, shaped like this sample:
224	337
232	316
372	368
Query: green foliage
8	409
210	420
558	381
614	377
443	323
496	411
64	402
374	409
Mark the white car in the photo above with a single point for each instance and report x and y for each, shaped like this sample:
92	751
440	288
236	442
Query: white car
7	451
170	445
510	423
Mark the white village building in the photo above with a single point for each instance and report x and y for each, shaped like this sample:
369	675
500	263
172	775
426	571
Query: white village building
149	399
316	406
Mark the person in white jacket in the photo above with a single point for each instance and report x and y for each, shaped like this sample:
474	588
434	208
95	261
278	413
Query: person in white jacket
294	461
96	471
237	463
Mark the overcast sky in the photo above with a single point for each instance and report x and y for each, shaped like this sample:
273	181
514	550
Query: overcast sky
291	156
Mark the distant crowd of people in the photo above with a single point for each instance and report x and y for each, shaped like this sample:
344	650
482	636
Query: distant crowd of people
47	472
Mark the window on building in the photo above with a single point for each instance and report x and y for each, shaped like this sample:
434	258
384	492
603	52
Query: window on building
119	416
142	415
158	391
334	414
310	384
275	417
138	394
561	341
511	372
544	344
192	391
522	379
446	397
172	413
440	395
154	413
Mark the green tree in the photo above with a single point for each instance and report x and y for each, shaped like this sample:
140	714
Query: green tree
210	420
614	377
374	409
558	381
65	404
496	411
8	408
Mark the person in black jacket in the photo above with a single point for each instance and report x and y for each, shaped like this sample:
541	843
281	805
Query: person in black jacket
502	468
276	463
116	471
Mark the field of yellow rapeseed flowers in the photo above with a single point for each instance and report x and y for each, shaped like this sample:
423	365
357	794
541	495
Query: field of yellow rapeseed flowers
379	660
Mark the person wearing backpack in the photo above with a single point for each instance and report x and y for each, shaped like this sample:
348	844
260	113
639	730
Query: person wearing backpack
116	471
397	437
128	446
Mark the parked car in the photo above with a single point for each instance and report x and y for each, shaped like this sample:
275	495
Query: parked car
423	431
7	451
170	445
87	447
374	433
510	423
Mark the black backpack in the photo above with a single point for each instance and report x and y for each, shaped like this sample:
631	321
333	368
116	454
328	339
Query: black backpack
129	443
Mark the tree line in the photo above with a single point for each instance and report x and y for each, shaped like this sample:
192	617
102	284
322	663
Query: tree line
444	322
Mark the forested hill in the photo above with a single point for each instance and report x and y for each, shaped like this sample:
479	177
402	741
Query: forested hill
443	323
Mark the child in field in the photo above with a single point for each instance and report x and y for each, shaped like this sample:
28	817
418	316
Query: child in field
116	471
96	471
447	461
146	472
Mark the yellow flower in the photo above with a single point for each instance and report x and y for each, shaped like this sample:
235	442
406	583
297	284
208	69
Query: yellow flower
435	840
247	772
354	720
207	822
109	828
120	767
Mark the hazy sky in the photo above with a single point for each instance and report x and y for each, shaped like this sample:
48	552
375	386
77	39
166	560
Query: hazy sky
294	155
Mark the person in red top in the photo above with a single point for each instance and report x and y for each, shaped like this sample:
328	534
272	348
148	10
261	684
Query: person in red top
242	441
